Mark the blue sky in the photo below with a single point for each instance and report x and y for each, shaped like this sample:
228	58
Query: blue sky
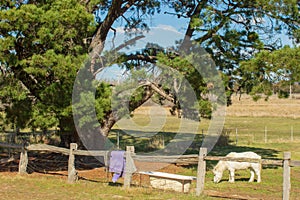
162	34
165	29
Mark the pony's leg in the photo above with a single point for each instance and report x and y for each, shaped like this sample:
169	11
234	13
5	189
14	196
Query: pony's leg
231	176
252	175
257	172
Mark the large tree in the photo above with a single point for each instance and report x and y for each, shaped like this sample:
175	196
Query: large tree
44	43
41	47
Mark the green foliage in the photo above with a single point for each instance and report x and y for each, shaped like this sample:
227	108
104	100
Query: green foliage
270	70
103	100
205	109
233	31
186	72
41	50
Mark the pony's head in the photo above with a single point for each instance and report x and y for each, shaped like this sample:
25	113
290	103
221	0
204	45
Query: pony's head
217	174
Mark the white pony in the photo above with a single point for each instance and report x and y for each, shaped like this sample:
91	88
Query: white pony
255	168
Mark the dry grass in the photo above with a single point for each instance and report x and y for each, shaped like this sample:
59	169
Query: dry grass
244	106
274	107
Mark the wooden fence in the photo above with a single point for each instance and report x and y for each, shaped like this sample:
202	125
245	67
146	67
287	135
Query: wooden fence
199	159
72	174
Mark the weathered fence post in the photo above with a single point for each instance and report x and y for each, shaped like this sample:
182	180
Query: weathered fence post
286	175
23	161
72	173
201	171
128	166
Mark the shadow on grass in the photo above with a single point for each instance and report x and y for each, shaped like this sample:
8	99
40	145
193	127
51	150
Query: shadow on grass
140	140
145	142
115	184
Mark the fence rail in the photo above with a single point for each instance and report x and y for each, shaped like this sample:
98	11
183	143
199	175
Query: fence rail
13	146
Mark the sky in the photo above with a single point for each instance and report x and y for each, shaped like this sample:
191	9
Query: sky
165	30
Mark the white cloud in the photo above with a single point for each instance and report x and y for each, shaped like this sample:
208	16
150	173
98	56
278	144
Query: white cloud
167	28
162	34
120	30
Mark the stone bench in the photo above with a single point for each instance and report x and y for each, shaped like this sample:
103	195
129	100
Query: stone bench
168	181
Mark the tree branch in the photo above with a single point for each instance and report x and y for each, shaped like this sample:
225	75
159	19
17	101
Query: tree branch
211	32
154	87
190	29
150	59
112	117
97	44
127	43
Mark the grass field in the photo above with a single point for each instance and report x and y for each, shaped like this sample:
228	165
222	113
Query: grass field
269	133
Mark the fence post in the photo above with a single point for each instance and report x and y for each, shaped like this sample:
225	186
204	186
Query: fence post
72	173
286	175
201	171
23	161
128	166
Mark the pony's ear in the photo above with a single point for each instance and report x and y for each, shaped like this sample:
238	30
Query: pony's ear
215	169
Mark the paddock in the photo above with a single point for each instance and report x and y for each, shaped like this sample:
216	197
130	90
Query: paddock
199	159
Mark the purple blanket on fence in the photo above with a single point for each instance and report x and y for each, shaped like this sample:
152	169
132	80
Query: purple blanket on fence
117	164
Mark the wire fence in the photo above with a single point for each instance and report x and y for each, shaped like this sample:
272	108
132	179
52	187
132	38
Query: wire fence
265	135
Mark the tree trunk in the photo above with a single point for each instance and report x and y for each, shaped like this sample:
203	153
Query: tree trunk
89	136
68	133
112	117
109	122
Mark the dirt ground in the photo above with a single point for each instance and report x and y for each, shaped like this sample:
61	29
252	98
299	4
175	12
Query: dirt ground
88	168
